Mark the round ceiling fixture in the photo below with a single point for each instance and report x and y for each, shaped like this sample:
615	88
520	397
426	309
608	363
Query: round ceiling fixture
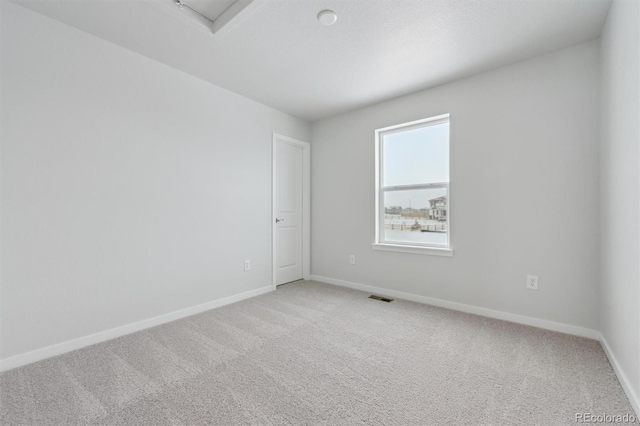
327	17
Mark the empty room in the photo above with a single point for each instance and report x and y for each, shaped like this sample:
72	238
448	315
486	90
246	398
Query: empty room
319	212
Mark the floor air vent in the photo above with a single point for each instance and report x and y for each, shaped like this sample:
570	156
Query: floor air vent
384	299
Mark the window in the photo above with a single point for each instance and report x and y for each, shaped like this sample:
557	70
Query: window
412	187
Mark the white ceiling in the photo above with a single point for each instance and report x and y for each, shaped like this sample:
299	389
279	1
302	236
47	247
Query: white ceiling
209	8
378	49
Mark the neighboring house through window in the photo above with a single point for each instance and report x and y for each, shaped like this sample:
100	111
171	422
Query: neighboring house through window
412	187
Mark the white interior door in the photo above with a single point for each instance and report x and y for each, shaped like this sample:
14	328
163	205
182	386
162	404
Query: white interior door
288	211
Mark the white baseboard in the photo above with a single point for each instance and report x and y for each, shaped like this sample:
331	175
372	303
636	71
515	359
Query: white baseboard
92	339
485	312
622	377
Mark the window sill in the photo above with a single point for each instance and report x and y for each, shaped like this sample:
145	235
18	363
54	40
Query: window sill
434	251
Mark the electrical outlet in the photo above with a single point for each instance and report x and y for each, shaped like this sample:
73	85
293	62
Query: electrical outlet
352	259
532	282
247	265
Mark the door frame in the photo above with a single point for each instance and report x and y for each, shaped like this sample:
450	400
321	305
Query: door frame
306	204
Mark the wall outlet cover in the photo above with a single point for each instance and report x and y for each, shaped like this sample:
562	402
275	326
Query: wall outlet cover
532	282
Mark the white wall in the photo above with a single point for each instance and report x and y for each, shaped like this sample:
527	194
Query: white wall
129	189
524	144
620	189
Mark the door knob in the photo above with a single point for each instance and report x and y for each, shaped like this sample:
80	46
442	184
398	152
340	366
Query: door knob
279	220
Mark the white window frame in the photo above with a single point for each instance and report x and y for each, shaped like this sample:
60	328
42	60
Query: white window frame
417	248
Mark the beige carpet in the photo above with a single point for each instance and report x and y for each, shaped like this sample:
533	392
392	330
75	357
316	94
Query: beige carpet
315	354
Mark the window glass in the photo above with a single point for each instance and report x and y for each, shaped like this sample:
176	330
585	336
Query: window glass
417	156
413	191
416	216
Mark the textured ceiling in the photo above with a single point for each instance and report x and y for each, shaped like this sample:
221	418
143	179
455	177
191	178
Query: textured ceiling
378	49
